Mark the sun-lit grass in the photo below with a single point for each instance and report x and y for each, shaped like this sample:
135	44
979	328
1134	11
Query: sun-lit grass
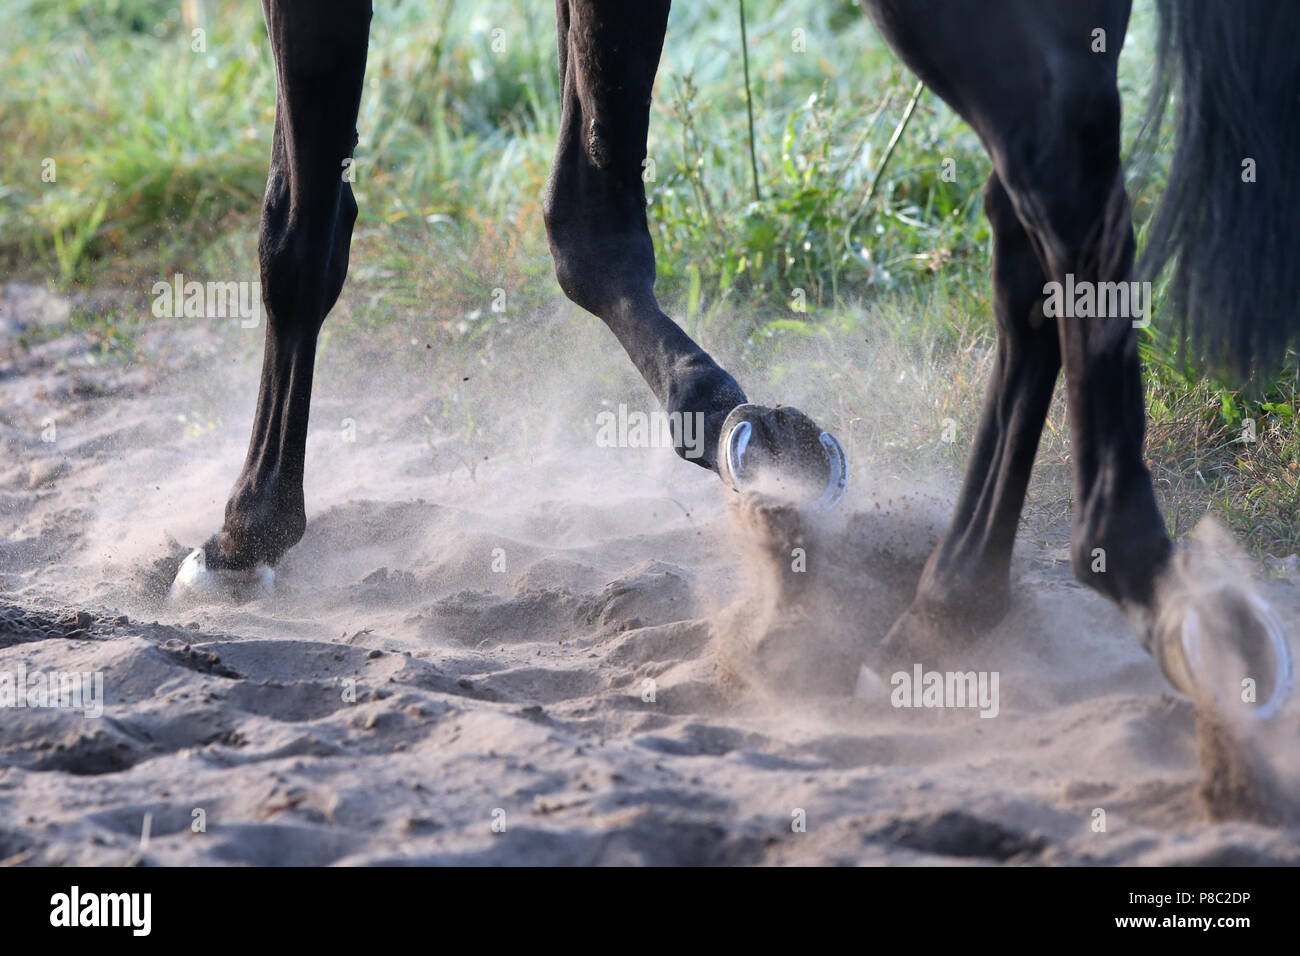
849	270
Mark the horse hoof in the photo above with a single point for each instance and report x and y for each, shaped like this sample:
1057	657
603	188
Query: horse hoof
782	449
1227	647
195	581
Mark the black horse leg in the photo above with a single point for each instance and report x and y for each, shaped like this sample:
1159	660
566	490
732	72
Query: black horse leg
596	206
595	212
967	578
1119	543
1039	88
307	218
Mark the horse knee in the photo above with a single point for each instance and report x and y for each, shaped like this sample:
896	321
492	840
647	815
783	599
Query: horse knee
603	257
337	270
303	253
280	248
573	268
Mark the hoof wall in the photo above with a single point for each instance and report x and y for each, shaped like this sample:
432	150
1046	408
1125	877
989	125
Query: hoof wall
195	581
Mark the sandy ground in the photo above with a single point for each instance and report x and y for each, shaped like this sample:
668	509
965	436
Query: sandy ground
530	650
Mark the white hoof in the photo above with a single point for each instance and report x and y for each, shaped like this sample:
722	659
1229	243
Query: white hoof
195	582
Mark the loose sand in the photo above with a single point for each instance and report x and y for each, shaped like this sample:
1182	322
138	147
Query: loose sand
531	650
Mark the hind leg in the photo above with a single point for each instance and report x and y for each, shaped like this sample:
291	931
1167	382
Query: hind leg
1045	103
1214	638
307	217
1042	94
966	581
595	209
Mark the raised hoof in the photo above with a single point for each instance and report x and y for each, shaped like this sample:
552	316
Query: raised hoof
196	582
782	450
1216	644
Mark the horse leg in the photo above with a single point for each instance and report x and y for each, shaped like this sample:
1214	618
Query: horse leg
966	581
307	217
1066	185
1211	634
1044	102
1002	80
595	209
1039	86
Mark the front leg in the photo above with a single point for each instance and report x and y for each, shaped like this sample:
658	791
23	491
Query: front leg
307	218
595	210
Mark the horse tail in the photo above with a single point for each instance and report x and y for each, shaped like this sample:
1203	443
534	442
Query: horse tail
1230	217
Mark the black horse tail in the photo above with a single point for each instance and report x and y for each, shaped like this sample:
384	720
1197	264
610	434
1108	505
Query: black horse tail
1230	218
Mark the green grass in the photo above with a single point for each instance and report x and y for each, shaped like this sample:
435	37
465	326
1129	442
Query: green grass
849	269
